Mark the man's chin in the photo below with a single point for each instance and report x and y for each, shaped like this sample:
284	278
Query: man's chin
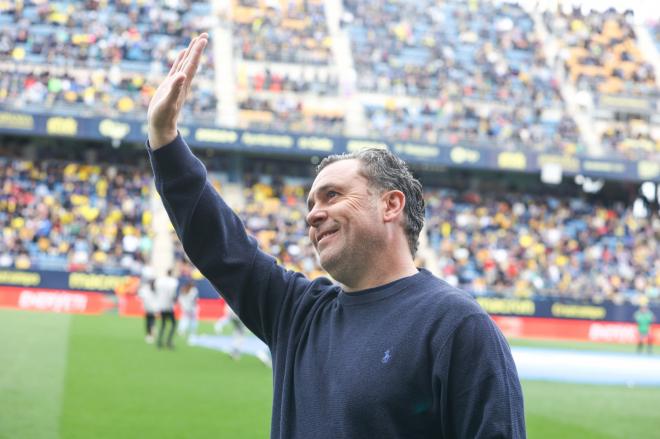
329	263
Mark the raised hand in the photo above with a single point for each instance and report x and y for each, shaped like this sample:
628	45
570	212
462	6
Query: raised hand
166	104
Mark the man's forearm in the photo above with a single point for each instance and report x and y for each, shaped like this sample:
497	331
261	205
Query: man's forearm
213	237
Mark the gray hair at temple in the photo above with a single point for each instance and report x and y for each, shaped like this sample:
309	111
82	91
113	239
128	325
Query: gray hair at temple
385	172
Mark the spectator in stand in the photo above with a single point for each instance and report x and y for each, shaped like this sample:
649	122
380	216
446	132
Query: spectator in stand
273	82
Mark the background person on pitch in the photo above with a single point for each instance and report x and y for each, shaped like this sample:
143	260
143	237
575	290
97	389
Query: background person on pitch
150	303
392	351
644	318
166	289
189	308
238	331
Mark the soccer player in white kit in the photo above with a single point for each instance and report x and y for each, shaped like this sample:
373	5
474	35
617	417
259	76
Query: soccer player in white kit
238	336
189	309
166	289
150	304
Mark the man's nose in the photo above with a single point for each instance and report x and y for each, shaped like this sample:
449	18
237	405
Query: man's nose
316	217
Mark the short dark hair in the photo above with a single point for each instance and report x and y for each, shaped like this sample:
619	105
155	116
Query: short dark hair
385	172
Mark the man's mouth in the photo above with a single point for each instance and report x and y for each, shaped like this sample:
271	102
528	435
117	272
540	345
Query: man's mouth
324	235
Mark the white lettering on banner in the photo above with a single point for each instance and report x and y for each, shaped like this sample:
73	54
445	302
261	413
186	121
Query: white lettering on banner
55	302
613	332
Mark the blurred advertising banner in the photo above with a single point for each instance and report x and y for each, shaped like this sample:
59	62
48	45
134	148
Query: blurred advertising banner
85	302
118	284
209	309
550	308
122	289
572	330
60	301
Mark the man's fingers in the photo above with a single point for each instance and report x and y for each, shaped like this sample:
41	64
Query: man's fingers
181	74
192	63
194	53
177	62
176	88
196	56
186	55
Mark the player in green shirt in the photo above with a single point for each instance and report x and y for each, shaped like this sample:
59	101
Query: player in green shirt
644	318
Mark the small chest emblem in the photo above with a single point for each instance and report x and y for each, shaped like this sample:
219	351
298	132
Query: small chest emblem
387	356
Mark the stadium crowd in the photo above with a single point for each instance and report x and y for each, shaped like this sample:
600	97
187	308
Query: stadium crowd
98	34
289	112
600	51
270	81
473	73
282	31
96	93
277	35
600	55
95	57
482	64
65	215
526	245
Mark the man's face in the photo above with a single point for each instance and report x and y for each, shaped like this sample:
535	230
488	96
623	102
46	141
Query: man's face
344	218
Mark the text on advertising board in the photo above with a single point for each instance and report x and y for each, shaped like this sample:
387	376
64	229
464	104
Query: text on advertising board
507	306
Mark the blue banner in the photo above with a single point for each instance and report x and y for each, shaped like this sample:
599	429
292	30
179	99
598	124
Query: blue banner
455	156
84	281
547	307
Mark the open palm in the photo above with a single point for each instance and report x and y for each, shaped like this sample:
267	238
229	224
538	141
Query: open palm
165	106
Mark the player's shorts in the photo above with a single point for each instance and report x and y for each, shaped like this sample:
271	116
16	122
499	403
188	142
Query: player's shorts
645	338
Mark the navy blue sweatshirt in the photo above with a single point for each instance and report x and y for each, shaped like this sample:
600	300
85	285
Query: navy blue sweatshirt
415	358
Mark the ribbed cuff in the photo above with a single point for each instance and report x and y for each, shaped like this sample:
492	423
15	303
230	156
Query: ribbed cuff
171	159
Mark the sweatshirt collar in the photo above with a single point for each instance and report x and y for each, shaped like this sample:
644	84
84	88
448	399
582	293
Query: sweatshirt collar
381	292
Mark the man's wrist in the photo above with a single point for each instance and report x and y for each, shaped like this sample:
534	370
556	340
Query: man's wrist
158	139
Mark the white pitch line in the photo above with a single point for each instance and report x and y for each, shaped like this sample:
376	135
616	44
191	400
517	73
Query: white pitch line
587	367
532	363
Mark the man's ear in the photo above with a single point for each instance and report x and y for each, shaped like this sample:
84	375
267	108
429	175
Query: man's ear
393	201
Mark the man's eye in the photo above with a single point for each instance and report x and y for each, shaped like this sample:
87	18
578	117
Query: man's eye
331	194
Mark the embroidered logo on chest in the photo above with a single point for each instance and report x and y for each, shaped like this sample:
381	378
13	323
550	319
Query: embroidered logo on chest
387	356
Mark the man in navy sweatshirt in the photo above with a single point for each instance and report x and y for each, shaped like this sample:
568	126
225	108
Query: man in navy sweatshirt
390	351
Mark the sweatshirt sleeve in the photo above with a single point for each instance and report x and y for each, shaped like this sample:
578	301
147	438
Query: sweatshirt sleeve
477	382
215	240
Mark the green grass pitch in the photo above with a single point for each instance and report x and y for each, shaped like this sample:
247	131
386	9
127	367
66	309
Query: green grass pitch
64	376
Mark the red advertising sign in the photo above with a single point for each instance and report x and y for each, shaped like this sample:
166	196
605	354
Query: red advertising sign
40	299
209	309
578	330
85	302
